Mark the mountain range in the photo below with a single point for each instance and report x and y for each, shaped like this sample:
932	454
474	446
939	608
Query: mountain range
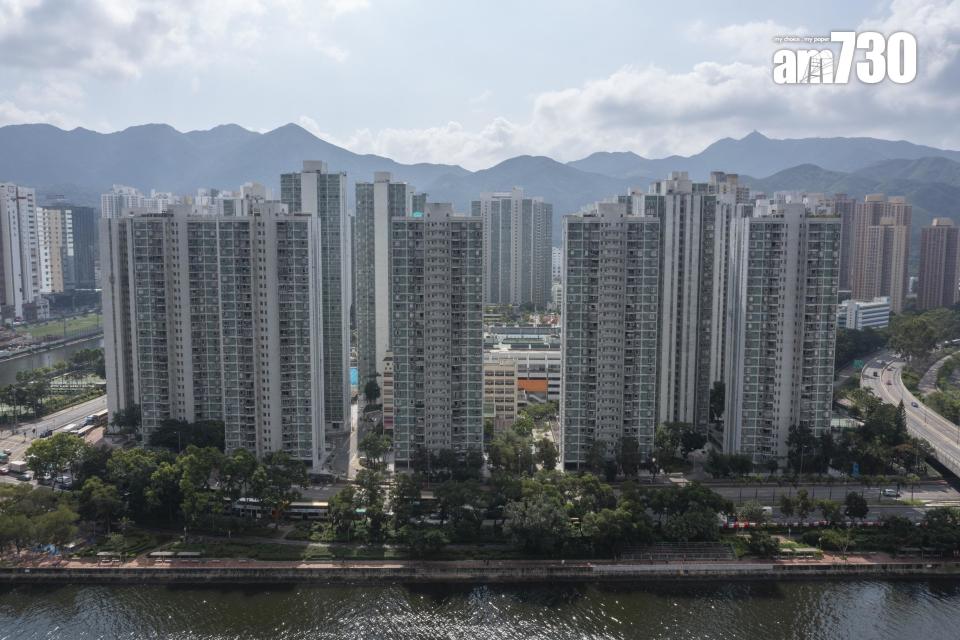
80	164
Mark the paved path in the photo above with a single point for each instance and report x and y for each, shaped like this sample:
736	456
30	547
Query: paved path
928	383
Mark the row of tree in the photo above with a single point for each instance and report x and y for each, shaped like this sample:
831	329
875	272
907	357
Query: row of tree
542	513
160	486
30	517
881	445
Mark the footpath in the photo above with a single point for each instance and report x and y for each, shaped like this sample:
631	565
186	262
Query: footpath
233	571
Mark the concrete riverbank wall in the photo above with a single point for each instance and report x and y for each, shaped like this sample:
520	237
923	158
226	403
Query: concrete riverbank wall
442	572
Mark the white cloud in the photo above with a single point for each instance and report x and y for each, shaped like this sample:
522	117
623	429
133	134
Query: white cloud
124	37
748	42
12	114
656	112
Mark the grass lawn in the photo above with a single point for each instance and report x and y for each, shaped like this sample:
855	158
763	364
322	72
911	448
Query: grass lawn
55	328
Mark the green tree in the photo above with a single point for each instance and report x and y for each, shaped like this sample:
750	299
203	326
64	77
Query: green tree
280	483
197	468
163	494
912	336
629	456
547	454
697	524
462	504
855	506
751	511
803	504
236	474
597	457
512	453
371	391
538	523
56	527
802	449
423	542
178	435
832	510
788	506
101	501
127	420
51	456
691	440
666	441
611	530
523	426
762	544
717	464
374	447
343	513
405	500
130	470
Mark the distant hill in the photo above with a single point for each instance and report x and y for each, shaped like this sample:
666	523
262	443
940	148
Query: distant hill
912	179
81	164
158	156
756	154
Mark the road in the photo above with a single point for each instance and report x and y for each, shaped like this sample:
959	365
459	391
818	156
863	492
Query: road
883	377
939	493
18	440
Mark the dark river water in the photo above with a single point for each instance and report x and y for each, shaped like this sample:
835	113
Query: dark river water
927	610
9	368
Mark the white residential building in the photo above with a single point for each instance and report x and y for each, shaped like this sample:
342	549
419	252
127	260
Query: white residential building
518	251
377	203
119	199
782	320
20	250
610	321
437	332
691	258
57	259
323	195
209	317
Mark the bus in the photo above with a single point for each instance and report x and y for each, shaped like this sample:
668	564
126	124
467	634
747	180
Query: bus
98	419
85	431
251	508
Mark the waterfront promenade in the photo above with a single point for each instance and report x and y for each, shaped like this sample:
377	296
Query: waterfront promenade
223	571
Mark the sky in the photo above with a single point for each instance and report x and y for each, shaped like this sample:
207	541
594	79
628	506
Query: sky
469	82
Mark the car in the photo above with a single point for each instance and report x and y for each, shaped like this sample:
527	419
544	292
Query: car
914	404
26	476
7	452
890	493
4	471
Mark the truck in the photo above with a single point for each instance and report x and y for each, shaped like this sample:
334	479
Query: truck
18	466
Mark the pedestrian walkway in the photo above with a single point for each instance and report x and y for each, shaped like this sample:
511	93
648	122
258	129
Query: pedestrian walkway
928	383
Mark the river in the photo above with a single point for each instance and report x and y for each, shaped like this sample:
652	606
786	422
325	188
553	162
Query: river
764	610
9	368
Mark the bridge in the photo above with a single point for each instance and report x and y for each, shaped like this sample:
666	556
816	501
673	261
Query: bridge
882	375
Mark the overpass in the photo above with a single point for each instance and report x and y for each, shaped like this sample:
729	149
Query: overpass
882	375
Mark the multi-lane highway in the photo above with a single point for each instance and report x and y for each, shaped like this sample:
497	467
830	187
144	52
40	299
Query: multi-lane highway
883	376
18	439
